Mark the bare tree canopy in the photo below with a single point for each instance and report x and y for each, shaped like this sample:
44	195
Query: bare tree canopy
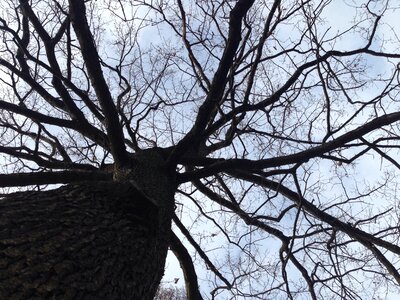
258	140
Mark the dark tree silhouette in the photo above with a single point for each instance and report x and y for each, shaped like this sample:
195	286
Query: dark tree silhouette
258	140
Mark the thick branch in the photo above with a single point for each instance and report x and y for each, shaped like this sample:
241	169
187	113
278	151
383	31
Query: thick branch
219	81
203	255
300	157
92	60
189	272
36	116
42	178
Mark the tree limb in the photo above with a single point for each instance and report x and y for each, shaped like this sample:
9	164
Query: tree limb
218	83
44	178
92	60
223	165
208	262
189	272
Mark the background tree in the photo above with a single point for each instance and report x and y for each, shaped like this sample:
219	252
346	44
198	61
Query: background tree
266	132
170	293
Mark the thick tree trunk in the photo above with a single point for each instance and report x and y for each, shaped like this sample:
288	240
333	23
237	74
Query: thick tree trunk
102	240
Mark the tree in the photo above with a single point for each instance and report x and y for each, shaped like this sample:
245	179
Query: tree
170	293
258	140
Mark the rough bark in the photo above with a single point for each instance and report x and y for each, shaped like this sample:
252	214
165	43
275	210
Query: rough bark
102	240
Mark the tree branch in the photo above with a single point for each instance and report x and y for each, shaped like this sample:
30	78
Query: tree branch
44	178
204	256
189	272
92	60
193	137
222	165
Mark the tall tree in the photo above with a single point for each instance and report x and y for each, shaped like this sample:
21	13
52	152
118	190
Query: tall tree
258	140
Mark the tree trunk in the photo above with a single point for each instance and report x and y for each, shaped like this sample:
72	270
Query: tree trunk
102	240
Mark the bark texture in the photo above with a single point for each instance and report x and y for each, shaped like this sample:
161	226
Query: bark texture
102	240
